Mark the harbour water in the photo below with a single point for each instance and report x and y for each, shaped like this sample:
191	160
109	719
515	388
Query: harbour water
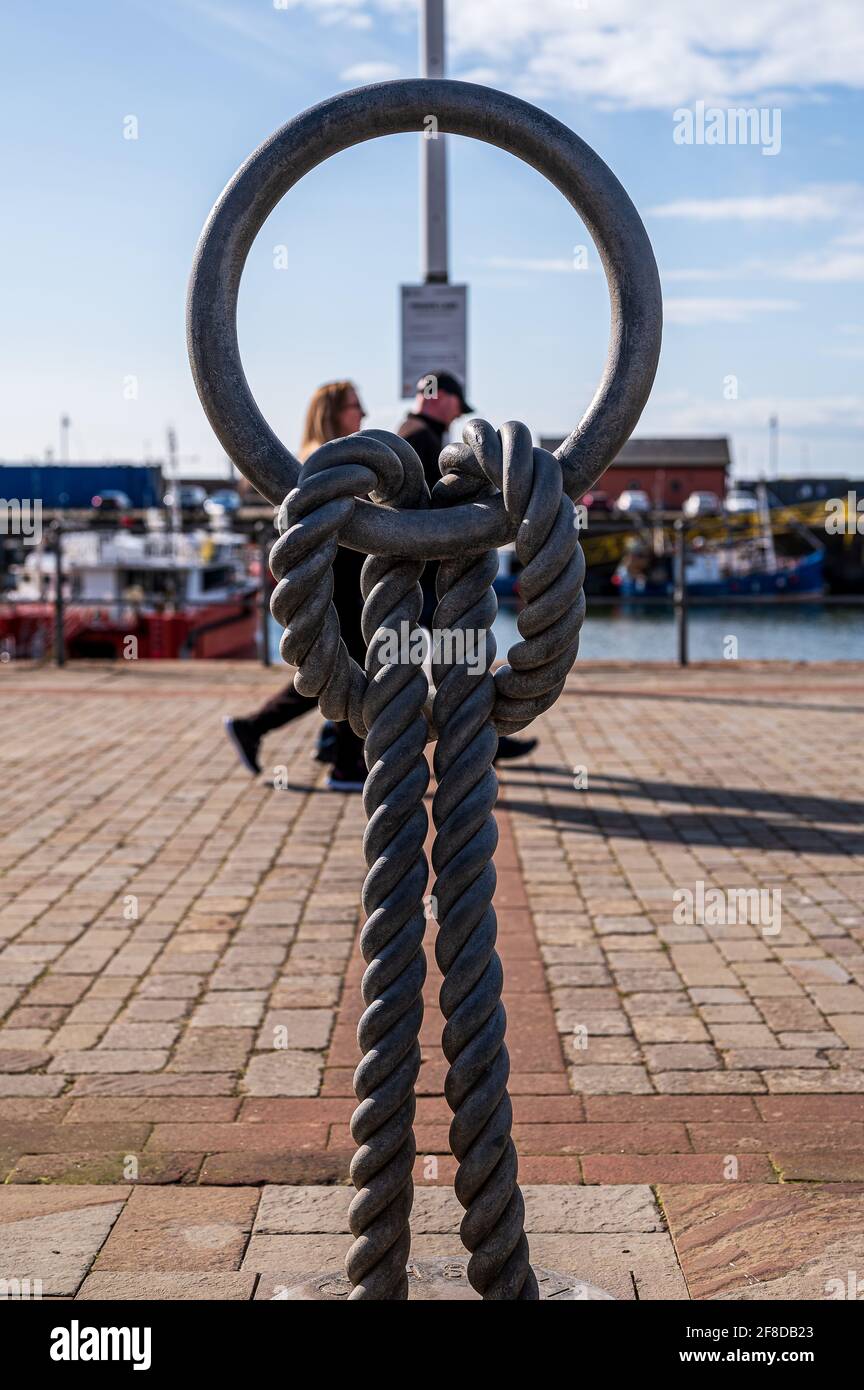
765	632
775	632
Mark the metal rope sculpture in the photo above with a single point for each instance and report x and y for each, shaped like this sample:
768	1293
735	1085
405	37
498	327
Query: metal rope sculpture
368	492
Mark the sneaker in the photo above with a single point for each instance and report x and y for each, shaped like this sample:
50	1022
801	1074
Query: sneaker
325	751
245	743
509	748
347	779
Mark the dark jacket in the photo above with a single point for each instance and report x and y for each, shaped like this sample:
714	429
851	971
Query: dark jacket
426	438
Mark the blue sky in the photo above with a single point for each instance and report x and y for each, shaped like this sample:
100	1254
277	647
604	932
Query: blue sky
761	256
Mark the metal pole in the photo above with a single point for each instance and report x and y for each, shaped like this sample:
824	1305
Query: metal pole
59	640
433	155
681	589
773	449
264	595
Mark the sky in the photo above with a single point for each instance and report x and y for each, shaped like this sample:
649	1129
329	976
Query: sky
760	245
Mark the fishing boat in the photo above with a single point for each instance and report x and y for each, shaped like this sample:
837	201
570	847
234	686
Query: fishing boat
721	573
156	595
727	566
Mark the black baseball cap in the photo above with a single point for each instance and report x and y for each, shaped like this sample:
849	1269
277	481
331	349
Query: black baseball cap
445	381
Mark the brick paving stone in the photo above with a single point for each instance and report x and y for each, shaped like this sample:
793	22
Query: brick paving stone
243	1009
680	1056
662	1168
820	1167
161	1286
30	1085
784	1241
106	1166
110	1062
296	1028
741	1035
54	1234
660	1028
608	1080
668	1137
762	1136
274	1138
850	1027
150	1109
213	1049
257	1166
156	1084
176	1228
769	1058
813	1039
634	1109
584	1050
140	1035
704	1082
60	1138
795	1081
284	1073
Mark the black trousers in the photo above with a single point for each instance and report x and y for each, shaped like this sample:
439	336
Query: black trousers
288	704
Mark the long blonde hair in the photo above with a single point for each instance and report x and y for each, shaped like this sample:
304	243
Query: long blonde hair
322	415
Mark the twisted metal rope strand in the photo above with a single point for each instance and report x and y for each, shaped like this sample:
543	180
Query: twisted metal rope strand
550	582
309	521
392	937
385	704
547	545
473	1039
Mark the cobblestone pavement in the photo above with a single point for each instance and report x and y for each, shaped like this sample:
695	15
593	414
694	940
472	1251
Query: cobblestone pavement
680	880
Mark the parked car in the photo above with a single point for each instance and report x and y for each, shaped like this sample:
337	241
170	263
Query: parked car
225	500
740	501
191	497
111	500
633	502
702	504
596	501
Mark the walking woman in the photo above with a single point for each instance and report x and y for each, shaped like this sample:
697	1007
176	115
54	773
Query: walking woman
334	411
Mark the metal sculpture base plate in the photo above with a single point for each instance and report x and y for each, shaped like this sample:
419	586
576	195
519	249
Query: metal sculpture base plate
443	1279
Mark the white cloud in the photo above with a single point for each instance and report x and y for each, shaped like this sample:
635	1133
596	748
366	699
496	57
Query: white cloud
706	415
690	312
627	53
538	265
821	203
369	72
825	267
701	274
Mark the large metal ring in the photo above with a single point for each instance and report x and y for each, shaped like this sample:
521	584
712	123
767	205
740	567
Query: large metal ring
390	108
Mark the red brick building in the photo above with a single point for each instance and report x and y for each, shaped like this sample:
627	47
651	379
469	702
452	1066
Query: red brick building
667	469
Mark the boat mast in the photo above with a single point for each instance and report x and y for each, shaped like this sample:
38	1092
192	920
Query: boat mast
766	531
174	476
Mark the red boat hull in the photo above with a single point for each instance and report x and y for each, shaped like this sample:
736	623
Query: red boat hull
220	631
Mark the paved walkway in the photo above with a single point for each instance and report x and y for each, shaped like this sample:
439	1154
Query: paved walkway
680	880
